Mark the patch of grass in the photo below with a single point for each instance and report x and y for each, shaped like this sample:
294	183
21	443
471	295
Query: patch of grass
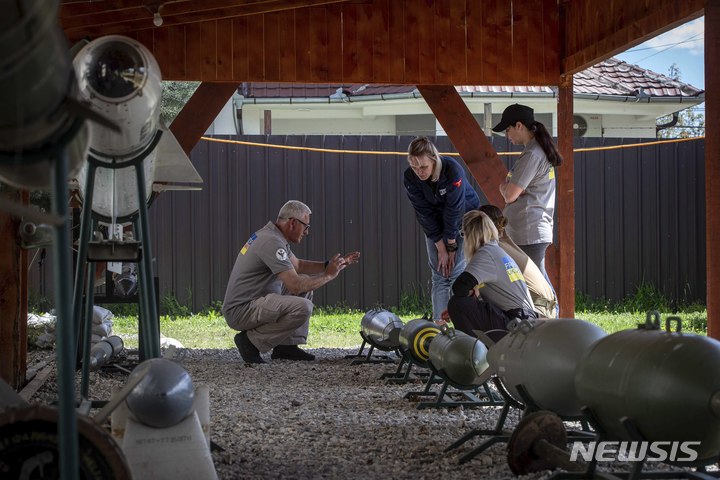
632	310
122	309
693	322
335	329
646	297
339	326
412	302
193	331
169	305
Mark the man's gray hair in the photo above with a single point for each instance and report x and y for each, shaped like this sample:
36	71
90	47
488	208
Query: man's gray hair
293	209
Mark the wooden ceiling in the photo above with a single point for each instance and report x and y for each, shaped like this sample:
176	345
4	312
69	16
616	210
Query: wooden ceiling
445	42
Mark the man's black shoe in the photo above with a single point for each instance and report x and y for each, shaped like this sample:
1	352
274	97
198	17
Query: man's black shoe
248	351
291	352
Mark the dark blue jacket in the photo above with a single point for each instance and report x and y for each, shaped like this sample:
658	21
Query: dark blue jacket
440	205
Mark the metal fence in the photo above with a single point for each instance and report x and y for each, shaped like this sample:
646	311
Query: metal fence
640	217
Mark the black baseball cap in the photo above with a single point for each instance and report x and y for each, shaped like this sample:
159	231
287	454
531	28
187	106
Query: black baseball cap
513	114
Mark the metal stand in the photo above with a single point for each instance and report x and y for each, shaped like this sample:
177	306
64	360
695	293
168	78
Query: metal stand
466	396
370	358
139	252
68	450
415	396
497	434
401	378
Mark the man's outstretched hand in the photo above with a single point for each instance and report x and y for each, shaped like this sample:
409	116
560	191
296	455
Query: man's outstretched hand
352	258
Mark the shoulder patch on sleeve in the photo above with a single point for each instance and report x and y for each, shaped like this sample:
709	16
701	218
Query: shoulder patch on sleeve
250	241
281	254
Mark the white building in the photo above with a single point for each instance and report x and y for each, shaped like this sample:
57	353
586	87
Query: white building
612	99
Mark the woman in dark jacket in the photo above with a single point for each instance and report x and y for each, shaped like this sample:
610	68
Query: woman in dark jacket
440	193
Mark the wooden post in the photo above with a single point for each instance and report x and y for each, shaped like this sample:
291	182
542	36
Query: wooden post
13	299
564	248
712	165
469	139
199	112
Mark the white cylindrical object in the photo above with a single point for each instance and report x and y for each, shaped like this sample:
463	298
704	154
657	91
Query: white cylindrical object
202	408
121	79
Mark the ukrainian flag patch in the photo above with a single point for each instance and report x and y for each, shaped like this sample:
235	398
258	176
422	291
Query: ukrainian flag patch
513	271
245	247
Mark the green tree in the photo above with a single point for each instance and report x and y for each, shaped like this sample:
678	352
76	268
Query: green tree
174	97
691	121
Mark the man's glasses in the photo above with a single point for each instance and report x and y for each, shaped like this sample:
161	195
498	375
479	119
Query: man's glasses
307	225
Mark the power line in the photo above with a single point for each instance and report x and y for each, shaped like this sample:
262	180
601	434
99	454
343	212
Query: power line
633	50
668	48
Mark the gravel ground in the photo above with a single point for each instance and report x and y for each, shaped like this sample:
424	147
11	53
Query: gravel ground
324	420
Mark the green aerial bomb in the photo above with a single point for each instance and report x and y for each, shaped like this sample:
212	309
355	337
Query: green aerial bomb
665	383
541	356
460	358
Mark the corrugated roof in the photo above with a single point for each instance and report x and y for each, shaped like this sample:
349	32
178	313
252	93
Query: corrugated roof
611	77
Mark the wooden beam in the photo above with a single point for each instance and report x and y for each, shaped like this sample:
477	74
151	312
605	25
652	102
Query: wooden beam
565	244
712	164
13	319
405	42
469	139
585	46
199	112
95	19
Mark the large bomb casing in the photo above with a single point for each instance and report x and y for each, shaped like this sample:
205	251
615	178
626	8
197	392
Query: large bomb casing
121	80
459	357
415	338
666	383
541	355
36	77
381	328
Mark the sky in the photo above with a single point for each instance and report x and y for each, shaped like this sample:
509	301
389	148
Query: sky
683	45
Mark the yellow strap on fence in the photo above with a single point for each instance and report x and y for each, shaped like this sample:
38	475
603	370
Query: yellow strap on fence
371	152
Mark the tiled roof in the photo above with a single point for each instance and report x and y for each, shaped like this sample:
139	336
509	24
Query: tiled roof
611	77
615	77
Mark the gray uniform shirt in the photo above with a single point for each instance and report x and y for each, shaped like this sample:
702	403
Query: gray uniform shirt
264	255
530	217
499	278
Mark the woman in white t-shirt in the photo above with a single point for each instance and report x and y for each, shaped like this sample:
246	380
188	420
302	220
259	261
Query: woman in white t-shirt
529	189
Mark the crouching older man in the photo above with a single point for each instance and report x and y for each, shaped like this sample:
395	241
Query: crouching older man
269	294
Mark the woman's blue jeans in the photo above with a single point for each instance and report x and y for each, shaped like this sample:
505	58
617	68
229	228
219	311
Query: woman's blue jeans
440	291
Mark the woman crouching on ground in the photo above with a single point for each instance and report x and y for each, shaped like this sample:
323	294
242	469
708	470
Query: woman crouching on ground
491	291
